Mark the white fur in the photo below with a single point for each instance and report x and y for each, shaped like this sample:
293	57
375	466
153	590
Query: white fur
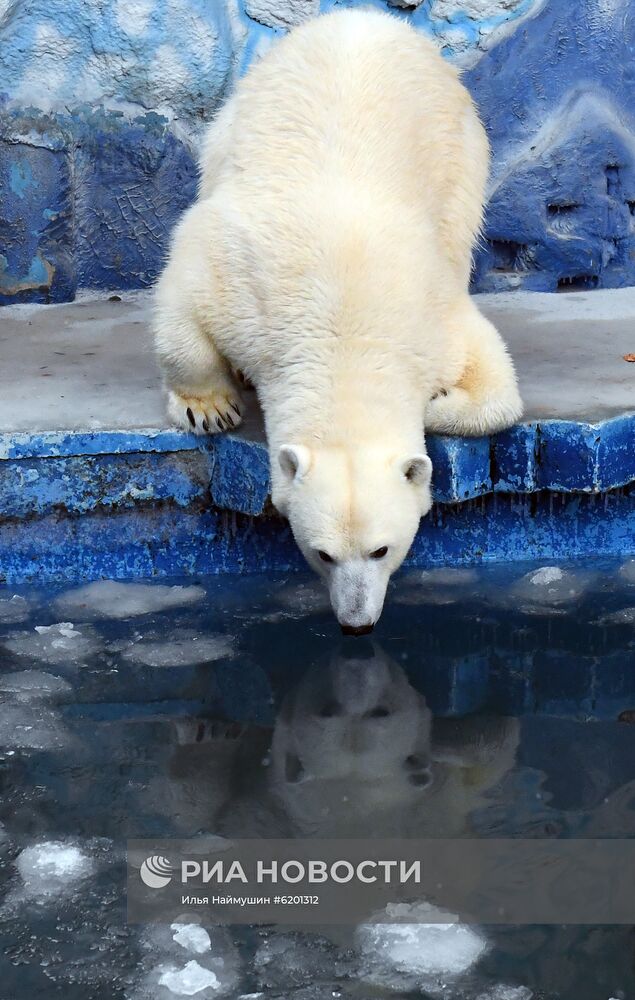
328	258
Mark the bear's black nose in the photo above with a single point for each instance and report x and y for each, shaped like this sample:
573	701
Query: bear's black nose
357	629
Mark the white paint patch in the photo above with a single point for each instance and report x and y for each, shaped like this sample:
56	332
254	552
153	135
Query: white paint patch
281	13
168	76
495	20
45	75
190	980
7	8
133	16
201	38
478	10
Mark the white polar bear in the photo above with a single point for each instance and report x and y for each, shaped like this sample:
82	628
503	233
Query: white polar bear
328	258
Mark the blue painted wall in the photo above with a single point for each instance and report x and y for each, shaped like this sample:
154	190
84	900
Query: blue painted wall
102	104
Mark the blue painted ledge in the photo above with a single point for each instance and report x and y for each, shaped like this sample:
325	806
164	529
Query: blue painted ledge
164	503
64	469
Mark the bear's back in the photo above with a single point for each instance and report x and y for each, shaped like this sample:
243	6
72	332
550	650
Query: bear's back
354	94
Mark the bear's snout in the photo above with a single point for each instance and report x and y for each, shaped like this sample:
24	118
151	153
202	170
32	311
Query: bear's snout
357	629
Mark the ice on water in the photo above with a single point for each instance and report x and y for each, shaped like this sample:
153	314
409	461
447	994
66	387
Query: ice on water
112	599
192	937
184	647
189	981
546	591
503	992
442	585
185	959
13	610
60	643
31	727
626	571
417	955
34	685
625	616
52	867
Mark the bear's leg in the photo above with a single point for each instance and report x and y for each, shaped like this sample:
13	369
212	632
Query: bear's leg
202	394
486	398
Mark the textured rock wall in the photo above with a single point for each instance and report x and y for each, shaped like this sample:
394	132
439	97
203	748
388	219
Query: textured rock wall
102	101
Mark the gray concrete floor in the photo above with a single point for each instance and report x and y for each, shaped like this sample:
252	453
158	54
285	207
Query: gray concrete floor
89	365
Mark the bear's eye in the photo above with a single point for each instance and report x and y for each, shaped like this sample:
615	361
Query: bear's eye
379	553
324	556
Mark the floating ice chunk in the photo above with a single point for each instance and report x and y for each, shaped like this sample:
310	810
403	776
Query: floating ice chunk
192	937
442	585
545	575
183	648
547	589
190	980
31	727
52	867
34	685
112	599
13	610
627	571
503	992
403	956
60	643
625	616
214	972
449	576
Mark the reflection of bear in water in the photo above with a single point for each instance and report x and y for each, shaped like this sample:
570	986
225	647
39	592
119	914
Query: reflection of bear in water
354	752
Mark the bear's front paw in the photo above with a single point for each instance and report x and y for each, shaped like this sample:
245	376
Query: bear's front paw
208	413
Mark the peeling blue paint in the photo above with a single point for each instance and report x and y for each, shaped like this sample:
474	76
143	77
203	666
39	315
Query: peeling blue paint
164	540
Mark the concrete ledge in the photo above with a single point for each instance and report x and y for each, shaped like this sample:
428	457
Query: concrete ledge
83	438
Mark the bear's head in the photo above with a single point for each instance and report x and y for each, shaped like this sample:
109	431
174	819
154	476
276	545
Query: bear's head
354	513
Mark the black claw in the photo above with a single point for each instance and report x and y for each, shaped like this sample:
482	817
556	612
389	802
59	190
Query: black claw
190	417
205	426
219	424
235	409
229	420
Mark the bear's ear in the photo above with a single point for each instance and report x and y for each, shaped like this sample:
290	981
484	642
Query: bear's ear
417	469
294	460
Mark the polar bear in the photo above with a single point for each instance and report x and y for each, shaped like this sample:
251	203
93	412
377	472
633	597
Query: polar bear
328	258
